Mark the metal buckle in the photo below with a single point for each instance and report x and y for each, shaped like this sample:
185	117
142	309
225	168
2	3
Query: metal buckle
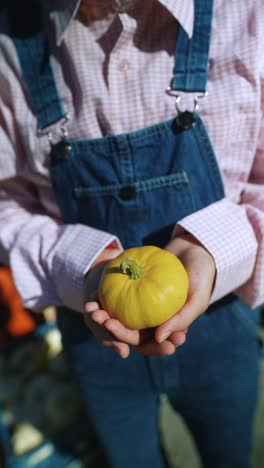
178	98
186	118
50	133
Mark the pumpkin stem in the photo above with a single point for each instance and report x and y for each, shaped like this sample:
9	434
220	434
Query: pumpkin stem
130	268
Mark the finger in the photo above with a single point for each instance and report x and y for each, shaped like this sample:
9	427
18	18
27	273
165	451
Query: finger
106	338
98	330
154	349
177	338
183	319
91	306
100	316
132	337
122	349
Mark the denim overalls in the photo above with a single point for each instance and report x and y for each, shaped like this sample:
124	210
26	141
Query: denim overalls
137	186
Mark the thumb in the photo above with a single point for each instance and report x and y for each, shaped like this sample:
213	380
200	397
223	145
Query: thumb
194	307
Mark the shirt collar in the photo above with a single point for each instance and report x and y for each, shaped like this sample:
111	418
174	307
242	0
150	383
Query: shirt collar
63	11
183	11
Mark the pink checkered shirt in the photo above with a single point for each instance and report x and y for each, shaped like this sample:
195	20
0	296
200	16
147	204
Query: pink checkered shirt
49	259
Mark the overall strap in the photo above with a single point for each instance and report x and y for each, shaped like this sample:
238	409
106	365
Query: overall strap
25	19
192	55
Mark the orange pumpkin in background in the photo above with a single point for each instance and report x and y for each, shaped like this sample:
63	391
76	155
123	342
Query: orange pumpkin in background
15	321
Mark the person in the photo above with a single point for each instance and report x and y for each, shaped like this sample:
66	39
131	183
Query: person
141	123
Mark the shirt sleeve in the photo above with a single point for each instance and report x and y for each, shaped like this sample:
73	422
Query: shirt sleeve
224	229
48	259
234	235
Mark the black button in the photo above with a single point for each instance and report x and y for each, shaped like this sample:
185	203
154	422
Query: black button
66	150
185	120
128	193
61	151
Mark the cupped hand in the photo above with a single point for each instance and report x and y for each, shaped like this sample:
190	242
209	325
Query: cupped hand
111	332
167	337
164	339
201	270
94	317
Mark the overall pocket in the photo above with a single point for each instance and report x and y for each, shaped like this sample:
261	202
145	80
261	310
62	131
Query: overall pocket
143	212
178	179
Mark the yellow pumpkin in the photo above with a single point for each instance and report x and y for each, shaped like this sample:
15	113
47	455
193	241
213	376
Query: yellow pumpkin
143	287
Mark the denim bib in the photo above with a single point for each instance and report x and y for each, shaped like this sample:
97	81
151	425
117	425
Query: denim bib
137	185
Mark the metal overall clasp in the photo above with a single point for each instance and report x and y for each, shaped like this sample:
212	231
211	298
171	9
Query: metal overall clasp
60	150
185	118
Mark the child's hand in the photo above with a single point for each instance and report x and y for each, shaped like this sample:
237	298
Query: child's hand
94	317
113	334
110	332
201	270
172	333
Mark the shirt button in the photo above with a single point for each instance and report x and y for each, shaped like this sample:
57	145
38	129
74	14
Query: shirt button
123	65
128	192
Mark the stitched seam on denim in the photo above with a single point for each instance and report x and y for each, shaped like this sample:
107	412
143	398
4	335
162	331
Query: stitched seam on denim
39	87
192	70
126	164
51	111
202	139
137	135
180	178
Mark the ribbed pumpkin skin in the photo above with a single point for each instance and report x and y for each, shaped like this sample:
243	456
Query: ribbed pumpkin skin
157	295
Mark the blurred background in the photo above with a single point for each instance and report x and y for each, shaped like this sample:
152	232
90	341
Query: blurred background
42	422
